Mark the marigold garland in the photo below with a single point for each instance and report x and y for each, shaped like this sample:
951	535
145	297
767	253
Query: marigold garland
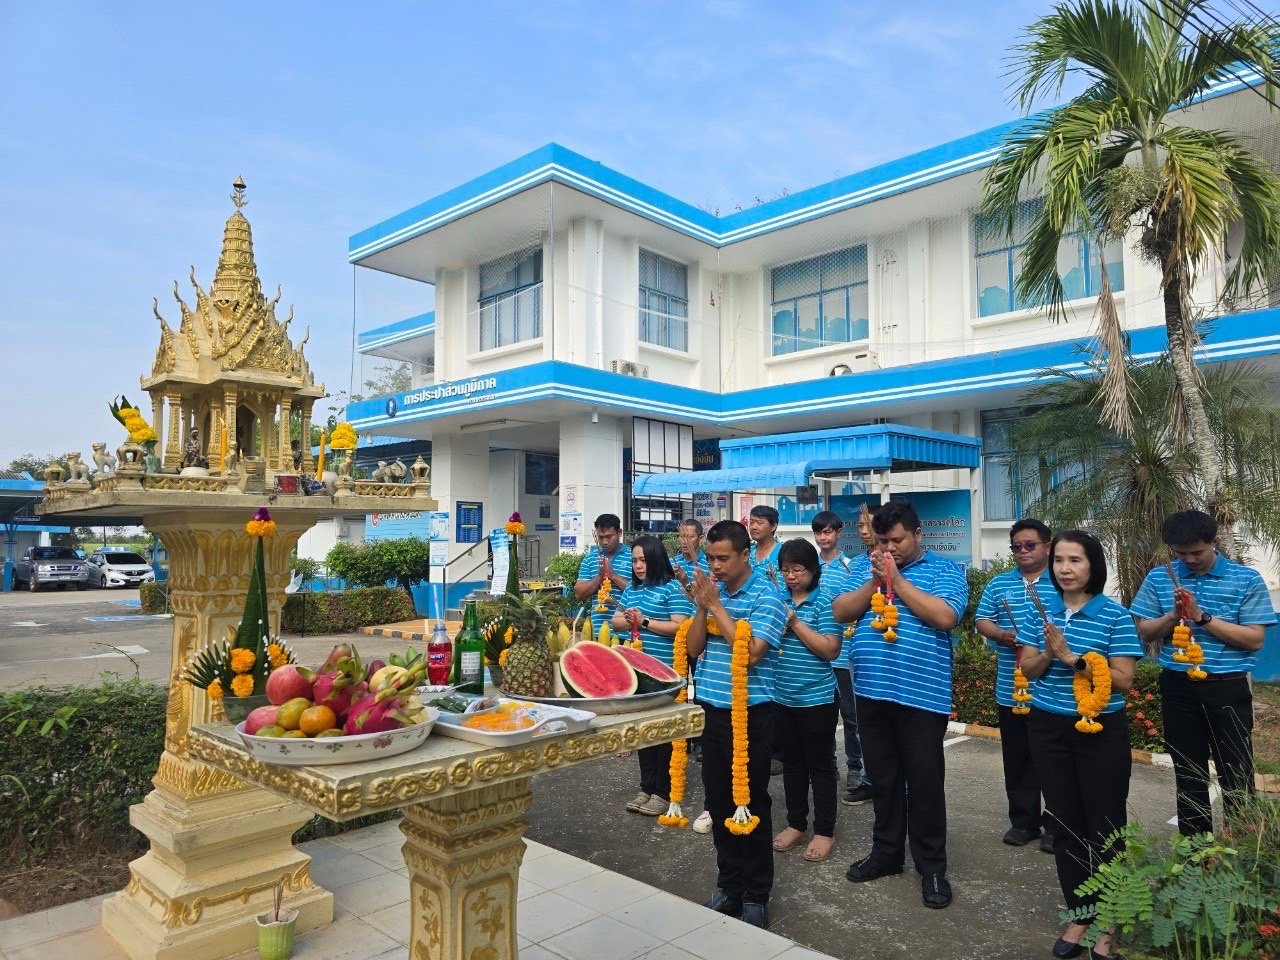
242	685
602	596
1092	693
515	526
1187	650
742	822
502	659
675	816
1021	691
261	525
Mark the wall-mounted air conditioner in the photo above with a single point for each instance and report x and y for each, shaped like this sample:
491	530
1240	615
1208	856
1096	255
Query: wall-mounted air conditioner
856	363
629	368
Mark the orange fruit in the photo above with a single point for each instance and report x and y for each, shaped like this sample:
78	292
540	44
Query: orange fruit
293	734
290	713
315	719
335	732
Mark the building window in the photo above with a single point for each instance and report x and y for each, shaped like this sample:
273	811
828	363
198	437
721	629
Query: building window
664	302
999	498
820	302
998	259
511	299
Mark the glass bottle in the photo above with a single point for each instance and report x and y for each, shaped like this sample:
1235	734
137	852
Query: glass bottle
439	656
468	653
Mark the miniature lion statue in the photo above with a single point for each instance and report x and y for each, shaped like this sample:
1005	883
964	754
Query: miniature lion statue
104	461
76	468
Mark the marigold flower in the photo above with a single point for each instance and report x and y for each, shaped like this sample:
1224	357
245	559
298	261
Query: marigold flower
242	661
242	685
214	690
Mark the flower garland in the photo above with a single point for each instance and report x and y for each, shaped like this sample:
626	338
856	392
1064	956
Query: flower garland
602	595
742	822
1187	650
675	817
129	417
1092	693
515	526
261	525
886	614
635	630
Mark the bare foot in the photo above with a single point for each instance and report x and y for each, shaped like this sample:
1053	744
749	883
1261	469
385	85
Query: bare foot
787	839
1074	932
819	848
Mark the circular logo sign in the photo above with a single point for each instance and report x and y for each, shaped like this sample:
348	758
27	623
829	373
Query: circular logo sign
374	518
391	406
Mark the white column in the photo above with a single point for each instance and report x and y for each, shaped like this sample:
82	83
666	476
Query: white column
591	461
460	471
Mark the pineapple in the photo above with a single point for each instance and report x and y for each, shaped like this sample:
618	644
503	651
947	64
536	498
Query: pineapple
528	672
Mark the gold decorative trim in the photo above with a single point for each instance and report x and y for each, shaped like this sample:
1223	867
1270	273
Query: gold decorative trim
161	481
374	488
178	913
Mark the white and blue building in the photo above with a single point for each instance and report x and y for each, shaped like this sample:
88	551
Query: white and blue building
589	344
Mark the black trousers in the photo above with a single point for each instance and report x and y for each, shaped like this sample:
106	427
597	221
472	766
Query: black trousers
807	736
849	717
1204	717
655	770
744	863
1085	779
903	745
1021	784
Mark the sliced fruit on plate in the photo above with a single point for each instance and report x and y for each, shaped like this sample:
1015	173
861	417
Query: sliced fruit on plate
594	671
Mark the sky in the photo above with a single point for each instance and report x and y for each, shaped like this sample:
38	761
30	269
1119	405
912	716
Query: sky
123	125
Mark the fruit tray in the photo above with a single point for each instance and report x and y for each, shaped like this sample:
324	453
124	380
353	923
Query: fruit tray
616	705
315	751
554	719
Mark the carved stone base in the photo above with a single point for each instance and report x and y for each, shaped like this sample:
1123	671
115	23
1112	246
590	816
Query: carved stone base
463	854
218	847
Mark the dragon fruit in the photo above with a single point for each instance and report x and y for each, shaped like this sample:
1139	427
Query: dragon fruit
393	705
337	687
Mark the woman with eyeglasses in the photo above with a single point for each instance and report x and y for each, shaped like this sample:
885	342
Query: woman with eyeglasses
1076	650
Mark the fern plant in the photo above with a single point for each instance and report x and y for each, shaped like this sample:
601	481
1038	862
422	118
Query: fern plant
1188	897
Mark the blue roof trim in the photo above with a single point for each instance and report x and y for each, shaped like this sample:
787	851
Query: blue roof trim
1233	337
764	477
554	162
407	329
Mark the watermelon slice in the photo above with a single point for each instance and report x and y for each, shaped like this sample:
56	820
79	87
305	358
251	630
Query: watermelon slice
651	673
594	671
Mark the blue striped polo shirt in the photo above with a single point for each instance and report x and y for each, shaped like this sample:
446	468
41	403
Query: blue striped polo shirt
700	562
834	573
801	678
915	670
657	603
1012	588
859	573
757	602
1229	590
769	565
1100	626
621	563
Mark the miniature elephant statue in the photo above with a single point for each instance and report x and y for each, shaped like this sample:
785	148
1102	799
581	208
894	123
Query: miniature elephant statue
104	461
379	475
76	468
397	471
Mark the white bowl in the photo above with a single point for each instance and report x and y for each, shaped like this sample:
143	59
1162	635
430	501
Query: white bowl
316	751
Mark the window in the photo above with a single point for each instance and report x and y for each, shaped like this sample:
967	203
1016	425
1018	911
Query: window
998	259
999	500
664	302
511	299
820	302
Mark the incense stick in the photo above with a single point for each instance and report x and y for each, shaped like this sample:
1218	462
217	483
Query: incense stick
1034	594
1009	611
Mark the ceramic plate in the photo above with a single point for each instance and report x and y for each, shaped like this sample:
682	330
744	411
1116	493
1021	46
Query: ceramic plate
615	705
310	751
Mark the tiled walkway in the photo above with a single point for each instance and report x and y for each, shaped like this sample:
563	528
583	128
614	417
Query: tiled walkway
569	910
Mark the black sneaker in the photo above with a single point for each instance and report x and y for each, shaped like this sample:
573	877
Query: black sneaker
867	869
1047	843
1017	837
857	796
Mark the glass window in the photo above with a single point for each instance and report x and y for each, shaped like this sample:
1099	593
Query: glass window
999	498
511	299
663	300
998	260
820	302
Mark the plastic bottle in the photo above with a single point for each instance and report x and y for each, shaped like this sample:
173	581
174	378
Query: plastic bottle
468	653
439	656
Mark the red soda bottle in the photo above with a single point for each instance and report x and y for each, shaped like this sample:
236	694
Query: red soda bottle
439	656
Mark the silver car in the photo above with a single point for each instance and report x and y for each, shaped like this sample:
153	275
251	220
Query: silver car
114	568
40	567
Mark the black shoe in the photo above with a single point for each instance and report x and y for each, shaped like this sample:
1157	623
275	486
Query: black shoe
1016	837
857	796
775	768
756	915
697	753
867	869
721	902
935	890
1047	843
1065	950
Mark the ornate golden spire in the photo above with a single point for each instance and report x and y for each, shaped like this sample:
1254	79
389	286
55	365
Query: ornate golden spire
236	279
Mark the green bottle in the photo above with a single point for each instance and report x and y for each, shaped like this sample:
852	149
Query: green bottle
468	653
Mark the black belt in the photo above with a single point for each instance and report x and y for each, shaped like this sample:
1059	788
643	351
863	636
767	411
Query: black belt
1236	675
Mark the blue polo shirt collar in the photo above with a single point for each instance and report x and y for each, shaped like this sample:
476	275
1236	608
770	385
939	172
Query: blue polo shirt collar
1219	569
1091	608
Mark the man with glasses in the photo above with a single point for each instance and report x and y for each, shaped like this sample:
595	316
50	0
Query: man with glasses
607	560
1004	606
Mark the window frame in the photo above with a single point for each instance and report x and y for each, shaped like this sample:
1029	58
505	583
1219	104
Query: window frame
652	323
817	299
517	294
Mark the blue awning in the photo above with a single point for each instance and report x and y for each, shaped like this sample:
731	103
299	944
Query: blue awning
788	459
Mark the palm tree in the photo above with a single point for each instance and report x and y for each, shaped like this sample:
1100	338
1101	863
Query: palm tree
1072	469
1116	157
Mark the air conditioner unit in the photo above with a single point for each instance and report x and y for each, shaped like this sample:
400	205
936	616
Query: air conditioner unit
629	368
866	360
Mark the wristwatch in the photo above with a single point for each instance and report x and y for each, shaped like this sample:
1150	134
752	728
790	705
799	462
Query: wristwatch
1079	665
1204	620
645	623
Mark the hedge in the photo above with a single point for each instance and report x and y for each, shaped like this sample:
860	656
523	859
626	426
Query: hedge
345	611
154	597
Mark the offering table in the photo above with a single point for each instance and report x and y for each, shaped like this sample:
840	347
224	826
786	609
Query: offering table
463	805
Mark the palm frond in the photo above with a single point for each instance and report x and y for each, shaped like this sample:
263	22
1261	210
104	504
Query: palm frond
1117	413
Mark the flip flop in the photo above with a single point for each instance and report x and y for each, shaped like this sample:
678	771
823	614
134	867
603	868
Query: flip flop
783	847
814	857
625	755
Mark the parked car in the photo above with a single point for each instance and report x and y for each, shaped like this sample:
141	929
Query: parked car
114	568
44	566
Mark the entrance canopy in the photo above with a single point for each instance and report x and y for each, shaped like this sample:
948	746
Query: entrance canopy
791	459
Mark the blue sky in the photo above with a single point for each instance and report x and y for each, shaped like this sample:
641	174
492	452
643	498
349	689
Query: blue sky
122	126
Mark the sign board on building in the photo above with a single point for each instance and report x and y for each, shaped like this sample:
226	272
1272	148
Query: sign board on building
454	392
704	510
745	502
470	521
570	532
396	526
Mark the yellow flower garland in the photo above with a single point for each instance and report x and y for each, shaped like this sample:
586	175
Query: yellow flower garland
1021	693
602	596
675	817
276	654
742	822
1093	693
1188	651
242	660
886	616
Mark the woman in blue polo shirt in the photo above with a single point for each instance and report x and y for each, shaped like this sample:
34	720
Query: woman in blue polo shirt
1084	775
805	690
656	602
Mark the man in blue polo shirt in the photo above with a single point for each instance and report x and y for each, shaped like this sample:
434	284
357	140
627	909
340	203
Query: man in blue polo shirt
762	524
690	556
903	691
744	863
1005	605
1229	610
608	559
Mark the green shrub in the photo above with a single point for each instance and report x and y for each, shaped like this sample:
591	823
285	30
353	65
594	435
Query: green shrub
346	611
563	568
154	597
73	760
405	561
978	580
1143	707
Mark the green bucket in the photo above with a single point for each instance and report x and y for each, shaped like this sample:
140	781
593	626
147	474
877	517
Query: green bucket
275	939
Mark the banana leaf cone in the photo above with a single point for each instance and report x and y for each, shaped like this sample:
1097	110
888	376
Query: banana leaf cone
254	623
513	568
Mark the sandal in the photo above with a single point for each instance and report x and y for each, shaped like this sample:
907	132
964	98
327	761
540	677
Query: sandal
819	849
782	843
625	755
